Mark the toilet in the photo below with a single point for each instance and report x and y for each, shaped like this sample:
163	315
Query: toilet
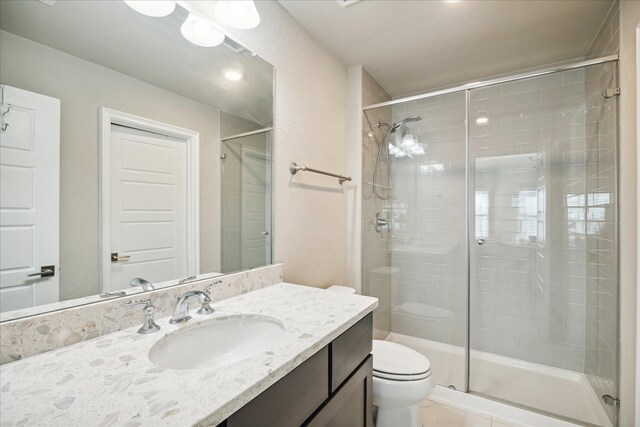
401	380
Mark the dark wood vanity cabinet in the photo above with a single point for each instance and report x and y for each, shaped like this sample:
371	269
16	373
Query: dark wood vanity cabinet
332	388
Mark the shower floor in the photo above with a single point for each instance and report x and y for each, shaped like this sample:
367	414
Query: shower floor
553	390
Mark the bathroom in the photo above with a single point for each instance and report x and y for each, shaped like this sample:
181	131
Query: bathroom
485	261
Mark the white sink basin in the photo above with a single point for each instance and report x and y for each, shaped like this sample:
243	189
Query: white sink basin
216	342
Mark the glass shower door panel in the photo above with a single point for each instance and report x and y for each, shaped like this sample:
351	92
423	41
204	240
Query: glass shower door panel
428	233
543	276
414	261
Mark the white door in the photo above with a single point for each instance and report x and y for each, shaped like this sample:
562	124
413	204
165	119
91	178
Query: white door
256	209
29	199
148	207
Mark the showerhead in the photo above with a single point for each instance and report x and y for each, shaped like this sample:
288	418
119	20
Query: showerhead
412	119
403	121
401	141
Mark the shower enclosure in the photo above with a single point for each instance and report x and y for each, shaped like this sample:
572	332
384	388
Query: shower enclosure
489	234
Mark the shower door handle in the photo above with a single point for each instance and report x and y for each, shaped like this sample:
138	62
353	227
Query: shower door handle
481	242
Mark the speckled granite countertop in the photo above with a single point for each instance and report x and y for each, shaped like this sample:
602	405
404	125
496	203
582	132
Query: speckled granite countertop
111	381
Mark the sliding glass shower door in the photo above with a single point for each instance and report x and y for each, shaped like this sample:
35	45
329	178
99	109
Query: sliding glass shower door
543	269
490	238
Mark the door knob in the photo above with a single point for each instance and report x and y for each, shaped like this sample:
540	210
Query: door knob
481	242
115	257
265	233
45	271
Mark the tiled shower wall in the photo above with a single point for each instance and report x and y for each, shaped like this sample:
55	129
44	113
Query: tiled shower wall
528	295
528	292
376	263
429	216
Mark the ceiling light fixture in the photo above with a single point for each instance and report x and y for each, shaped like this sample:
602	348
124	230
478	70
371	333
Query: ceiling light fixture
153	8
201	27
200	32
233	74
238	13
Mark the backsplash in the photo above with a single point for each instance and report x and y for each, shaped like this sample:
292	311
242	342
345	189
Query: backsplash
27	337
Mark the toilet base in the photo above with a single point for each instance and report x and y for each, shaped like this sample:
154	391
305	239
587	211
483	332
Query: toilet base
405	416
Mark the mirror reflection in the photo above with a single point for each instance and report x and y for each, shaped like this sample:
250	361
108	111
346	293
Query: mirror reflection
131	158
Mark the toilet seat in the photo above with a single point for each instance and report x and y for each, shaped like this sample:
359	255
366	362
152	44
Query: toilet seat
396	362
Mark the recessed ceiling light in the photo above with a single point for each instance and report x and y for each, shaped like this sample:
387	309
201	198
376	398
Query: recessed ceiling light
482	120
233	74
154	8
200	32
238	13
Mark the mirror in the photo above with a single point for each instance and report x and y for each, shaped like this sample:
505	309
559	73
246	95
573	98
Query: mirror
127	153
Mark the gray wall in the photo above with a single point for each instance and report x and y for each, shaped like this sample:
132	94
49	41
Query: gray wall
84	87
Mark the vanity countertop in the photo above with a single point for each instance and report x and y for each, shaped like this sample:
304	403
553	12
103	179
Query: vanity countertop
111	381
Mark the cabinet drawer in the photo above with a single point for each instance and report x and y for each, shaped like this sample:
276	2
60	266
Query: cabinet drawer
290	401
349	350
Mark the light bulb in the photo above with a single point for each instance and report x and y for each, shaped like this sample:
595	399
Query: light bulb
153	8
200	32
233	74
238	13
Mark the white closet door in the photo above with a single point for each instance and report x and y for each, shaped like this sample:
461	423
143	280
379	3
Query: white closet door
29	199
148	207
256	211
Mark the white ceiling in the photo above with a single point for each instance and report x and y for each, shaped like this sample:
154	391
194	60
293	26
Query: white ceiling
416	45
111	34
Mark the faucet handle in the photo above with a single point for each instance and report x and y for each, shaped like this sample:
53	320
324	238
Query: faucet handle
205	308
149	326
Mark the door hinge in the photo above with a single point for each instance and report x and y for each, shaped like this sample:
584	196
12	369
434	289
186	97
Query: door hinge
611	92
610	400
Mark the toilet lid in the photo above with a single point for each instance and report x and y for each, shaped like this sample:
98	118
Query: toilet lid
397	362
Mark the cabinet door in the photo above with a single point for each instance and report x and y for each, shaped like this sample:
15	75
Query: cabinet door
349	350
350	405
290	401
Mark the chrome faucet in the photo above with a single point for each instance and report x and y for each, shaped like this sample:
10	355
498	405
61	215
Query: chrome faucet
149	326
145	284
181	311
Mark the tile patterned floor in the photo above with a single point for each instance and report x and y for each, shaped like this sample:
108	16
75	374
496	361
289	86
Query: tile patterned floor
440	414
